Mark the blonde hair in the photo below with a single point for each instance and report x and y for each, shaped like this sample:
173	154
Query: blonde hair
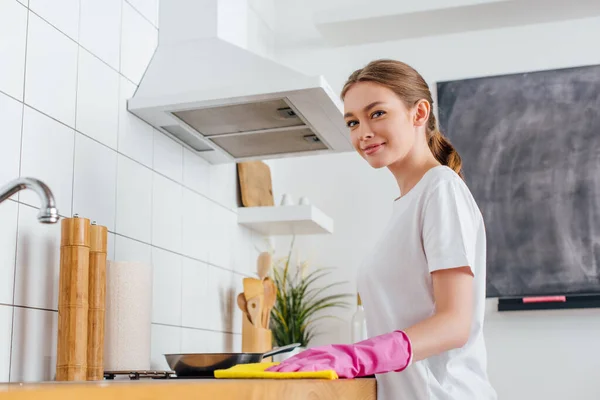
410	87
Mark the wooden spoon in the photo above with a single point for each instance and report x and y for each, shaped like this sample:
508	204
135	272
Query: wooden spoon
241	302
269	301
263	264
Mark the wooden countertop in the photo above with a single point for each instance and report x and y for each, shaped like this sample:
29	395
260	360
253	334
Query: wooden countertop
211	389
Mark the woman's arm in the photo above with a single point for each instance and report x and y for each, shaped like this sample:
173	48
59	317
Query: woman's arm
449	327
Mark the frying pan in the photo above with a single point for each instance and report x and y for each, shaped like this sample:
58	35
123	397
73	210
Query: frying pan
205	364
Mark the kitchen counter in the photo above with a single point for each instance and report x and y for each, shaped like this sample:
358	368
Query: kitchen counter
212	389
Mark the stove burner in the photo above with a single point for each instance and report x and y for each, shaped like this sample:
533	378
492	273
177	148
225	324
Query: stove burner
136	375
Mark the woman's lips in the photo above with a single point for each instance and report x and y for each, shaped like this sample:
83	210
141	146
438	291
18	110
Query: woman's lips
373	149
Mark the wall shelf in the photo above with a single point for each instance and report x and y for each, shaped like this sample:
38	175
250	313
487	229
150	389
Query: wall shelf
286	220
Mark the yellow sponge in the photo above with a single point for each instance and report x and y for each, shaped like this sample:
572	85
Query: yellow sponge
257	370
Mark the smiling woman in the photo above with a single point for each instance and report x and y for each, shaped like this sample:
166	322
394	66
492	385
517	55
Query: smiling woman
423	285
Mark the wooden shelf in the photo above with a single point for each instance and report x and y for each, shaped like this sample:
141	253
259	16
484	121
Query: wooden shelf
286	220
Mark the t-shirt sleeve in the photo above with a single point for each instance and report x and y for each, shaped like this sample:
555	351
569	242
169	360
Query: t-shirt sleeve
449	227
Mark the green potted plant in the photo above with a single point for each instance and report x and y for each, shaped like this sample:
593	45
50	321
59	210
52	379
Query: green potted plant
301	301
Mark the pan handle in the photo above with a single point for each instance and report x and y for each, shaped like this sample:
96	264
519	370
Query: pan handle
282	349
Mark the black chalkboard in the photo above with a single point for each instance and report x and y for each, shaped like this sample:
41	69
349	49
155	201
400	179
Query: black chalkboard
530	145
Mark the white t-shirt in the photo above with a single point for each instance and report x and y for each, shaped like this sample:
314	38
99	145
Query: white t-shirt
436	225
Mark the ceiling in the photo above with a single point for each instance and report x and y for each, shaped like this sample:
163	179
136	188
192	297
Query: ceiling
353	22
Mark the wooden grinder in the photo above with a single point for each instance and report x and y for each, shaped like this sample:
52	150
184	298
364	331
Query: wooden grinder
71	358
97	303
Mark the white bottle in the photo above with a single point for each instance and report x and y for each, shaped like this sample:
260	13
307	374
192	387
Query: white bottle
359	323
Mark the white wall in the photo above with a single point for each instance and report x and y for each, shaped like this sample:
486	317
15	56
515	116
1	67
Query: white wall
66	68
532	355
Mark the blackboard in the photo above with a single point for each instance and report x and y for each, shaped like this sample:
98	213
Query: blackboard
530	145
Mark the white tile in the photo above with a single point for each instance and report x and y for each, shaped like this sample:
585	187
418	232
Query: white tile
38	261
138	42
134	200
33	345
243	262
221	294
131	250
13	31
222	246
11	116
148	8
62	14
196	172
200	341
223	184
196	307
196	224
24	2
47	154
110	246
95	181
165	340
167	216
168	156
6	317
51	73
136	137
97	100
166	287
100	29
8	244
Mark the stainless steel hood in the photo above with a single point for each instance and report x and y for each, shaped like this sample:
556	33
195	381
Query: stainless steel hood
206	89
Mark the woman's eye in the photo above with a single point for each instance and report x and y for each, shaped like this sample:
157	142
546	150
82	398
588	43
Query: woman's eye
351	124
377	114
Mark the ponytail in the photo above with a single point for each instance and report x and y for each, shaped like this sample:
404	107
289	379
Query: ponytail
442	149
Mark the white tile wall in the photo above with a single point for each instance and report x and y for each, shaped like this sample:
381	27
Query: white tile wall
95	181
166	289
148	8
138	41
196	225
97	100
11	116
5	333
51	72
168	156
38	261
33	345
62	14
136	138
134	199
47	154
100	29
8	244
66	70
13	25
167	218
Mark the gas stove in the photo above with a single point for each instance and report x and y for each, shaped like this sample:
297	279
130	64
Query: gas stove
149	374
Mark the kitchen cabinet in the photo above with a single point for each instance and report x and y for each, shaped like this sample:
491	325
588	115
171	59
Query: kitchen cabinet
222	389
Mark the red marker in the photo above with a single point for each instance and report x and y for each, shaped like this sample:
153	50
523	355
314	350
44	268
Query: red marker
545	299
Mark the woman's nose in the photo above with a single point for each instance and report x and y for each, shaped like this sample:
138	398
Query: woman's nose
366	135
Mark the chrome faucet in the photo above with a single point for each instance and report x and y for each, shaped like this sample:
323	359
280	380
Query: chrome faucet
48	213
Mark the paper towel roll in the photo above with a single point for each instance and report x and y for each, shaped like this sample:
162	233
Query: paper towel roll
128	316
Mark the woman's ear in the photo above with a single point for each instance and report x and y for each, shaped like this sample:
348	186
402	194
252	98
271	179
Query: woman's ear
421	109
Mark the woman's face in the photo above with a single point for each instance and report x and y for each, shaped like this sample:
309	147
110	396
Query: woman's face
382	128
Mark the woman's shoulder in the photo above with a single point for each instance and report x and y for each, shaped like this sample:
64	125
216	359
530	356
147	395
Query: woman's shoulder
446	183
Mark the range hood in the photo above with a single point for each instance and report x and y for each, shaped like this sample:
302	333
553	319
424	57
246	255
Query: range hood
205	88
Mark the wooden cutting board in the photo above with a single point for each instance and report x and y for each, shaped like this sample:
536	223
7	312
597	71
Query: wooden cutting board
255	184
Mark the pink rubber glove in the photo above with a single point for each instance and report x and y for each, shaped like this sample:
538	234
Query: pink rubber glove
376	355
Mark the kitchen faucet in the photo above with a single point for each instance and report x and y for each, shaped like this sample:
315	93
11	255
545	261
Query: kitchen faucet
48	213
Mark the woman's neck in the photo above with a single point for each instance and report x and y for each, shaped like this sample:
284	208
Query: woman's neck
409	171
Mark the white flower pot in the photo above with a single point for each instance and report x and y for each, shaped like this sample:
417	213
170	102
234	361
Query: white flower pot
285	356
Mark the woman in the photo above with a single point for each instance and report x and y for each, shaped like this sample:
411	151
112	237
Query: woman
424	286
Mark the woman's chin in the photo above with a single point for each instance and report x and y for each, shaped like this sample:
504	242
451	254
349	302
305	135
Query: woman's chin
377	162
